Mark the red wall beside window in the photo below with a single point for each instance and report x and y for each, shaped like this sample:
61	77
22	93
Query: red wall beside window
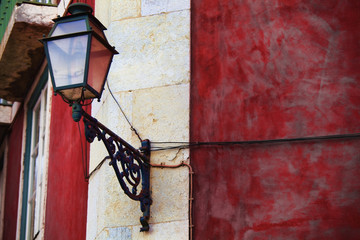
67	190
66	204
13	177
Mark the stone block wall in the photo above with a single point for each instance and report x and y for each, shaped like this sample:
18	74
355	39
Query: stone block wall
150	79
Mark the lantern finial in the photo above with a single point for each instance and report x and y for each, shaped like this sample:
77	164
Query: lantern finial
77	8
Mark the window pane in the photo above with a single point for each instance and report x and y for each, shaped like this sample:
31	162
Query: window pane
36	169
36	126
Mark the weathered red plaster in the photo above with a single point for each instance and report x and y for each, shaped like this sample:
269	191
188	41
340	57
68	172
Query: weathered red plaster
66	207
13	177
266	70
66	204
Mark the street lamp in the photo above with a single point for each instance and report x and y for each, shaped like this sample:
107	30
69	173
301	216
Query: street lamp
79	57
78	53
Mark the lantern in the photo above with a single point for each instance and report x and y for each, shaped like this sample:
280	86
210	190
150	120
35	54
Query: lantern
78	54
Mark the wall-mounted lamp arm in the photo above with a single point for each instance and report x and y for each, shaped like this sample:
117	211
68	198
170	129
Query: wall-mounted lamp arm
134	165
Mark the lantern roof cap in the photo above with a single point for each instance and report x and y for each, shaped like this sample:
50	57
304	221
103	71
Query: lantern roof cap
80	10
77	8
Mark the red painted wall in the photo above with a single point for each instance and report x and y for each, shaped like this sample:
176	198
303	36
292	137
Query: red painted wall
266	70
66	204
13	177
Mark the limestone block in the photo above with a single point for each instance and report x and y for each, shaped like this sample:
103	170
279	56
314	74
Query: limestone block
91	223
164	118
109	114
162	114
172	156
103	11
119	233
154	51
151	7
114	208
108	206
170	194
97	154
121	9
95	106
177	230
97	148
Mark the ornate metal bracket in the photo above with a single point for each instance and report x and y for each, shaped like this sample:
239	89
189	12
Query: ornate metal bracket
134	165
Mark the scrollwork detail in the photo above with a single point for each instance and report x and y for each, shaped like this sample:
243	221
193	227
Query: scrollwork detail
135	172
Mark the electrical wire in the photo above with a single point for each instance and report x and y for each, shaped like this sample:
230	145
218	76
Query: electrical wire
184	145
98	166
122	111
191	198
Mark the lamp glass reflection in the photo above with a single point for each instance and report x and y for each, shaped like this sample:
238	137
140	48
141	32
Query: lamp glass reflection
69	57
69	27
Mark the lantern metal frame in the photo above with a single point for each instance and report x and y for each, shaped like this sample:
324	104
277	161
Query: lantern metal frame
81	12
134	170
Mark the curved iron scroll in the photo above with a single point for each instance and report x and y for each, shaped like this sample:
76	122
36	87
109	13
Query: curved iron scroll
131	166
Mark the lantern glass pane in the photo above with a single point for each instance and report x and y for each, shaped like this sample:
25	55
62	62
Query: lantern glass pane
68	59
100	59
69	27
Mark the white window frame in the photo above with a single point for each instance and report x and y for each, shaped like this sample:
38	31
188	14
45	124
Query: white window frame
37	171
21	228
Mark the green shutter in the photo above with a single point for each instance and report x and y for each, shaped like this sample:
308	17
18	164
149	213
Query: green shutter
6	9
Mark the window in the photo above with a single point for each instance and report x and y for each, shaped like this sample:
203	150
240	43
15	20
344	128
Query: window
36	169
35	162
